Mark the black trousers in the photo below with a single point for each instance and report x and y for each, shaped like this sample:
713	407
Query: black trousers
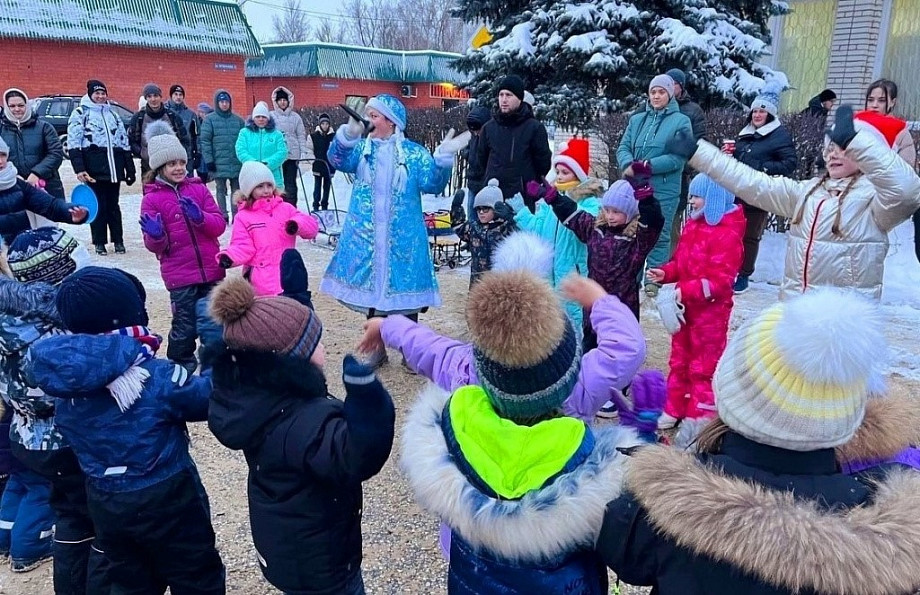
322	182
917	234
80	567
290	171
158	536
109	218
184	332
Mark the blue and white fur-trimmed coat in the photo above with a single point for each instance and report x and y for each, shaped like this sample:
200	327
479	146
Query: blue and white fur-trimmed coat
383	261
540	543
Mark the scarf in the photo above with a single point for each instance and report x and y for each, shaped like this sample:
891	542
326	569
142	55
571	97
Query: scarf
8	176
567	186
127	388
400	172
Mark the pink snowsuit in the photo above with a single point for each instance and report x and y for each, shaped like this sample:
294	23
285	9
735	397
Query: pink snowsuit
707	259
259	239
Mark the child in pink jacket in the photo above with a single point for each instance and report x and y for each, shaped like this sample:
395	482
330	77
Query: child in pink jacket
264	227
181	224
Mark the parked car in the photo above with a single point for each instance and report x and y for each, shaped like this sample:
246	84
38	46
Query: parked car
56	109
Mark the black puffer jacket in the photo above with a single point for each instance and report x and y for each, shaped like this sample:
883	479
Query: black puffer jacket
321	141
138	126
759	520
35	149
692	110
515	150
475	168
768	149
308	454
22	197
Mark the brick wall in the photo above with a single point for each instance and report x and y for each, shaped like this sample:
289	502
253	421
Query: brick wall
316	91
853	49
44	67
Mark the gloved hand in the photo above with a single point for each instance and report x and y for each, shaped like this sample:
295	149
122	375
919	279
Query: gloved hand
353	369
354	129
452	144
642	169
130	179
681	144
504	211
153	226
643	407
535	190
291	227
640	180
192	210
843	131
457	214
224	261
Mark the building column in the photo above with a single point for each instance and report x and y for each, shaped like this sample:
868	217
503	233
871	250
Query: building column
854	46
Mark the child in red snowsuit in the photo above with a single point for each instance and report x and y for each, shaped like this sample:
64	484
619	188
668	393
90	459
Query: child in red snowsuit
704	267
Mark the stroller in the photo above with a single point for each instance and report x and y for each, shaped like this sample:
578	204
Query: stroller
330	220
444	243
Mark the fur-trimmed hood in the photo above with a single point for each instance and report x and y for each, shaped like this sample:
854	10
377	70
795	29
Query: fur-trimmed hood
890	425
789	543
544	524
590	187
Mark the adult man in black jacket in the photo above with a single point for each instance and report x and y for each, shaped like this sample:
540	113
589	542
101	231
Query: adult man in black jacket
154	110
513	145
320	139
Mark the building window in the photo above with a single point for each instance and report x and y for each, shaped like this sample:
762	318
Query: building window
804	50
449	104
902	56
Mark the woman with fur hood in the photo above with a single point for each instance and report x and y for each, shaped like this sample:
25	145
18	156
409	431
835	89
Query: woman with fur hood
261	141
451	363
840	221
290	123
763	508
570	255
524	523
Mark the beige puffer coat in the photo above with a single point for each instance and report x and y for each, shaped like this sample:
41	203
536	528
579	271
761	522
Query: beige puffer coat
886	194
291	125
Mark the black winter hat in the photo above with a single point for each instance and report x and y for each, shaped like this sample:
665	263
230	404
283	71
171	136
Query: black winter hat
514	84
175	88
281	94
477	117
97	300
92	85
324	117
827	95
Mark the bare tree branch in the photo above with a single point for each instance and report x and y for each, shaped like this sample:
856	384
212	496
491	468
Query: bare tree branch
292	25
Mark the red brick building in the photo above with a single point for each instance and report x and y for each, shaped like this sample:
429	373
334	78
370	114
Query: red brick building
54	46
324	74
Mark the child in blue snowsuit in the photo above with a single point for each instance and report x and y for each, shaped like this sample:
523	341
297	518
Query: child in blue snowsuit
124	412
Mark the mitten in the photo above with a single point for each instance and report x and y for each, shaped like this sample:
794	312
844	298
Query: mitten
551	193
843	131
457	214
354	129
192	210
449	147
358	378
130	179
534	190
153	226
642	408
224	261
291	227
681	144
504	211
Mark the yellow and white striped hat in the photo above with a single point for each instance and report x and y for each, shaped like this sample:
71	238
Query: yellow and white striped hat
798	376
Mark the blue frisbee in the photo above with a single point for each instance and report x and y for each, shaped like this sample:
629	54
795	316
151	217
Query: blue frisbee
83	196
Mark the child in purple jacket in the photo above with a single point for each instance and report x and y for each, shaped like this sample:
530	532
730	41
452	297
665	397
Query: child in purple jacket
450	364
181	224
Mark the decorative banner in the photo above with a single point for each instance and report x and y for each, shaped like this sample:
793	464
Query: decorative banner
448	91
480	38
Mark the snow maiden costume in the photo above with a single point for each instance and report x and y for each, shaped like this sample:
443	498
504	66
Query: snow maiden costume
526	522
382	264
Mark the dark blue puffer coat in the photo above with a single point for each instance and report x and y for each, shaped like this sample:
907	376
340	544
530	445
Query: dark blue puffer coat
22	197
120	451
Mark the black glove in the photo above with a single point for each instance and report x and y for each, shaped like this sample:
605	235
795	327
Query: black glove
843	131
130	179
681	144
291	227
457	214
224	261
504	211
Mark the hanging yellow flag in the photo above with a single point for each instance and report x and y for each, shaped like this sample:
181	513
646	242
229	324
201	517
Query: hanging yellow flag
482	37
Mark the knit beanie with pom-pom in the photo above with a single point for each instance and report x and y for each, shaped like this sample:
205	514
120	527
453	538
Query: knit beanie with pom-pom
163	145
264	323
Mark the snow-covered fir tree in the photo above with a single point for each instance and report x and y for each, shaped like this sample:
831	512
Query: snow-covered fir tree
582	59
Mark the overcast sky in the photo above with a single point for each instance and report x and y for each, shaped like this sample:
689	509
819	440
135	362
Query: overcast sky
260	16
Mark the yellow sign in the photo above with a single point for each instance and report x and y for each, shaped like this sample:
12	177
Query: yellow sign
481	38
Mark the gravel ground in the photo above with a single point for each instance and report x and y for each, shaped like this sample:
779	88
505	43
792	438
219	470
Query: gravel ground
400	540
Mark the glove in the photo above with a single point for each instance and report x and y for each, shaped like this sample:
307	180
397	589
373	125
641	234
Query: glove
224	261
291	227
642	169
534	190
451	144
130	179
640	180
843	131
457	214
192	210
681	144
354	129
643	407
504	211
153	226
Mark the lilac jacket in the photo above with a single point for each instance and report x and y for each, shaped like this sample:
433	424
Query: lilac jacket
187	252
450	364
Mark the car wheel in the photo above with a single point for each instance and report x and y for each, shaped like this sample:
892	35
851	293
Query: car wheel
63	138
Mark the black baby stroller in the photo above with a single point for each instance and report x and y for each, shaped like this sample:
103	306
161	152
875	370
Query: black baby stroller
330	220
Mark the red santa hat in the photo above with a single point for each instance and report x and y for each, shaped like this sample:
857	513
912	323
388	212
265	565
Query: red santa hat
574	155
889	126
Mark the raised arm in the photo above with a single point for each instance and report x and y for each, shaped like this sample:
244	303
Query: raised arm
344	152
896	184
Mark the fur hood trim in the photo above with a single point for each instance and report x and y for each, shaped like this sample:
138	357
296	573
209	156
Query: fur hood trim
544	524
871	550
588	188
891	424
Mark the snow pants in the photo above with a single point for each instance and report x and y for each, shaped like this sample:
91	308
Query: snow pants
695	351
158	536
184	331
80	567
26	519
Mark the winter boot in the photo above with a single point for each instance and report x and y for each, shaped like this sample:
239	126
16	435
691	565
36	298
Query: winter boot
741	284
